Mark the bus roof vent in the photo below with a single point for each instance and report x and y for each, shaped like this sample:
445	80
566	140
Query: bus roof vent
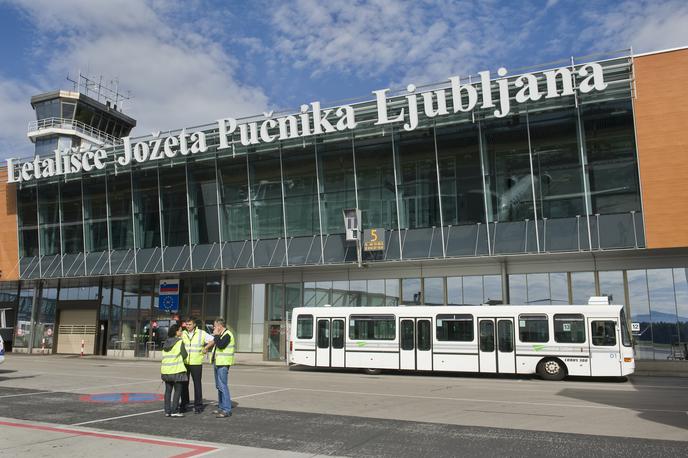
599	300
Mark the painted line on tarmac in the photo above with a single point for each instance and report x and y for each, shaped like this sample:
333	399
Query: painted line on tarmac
489	401
60	390
192	450
262	393
117	418
161	410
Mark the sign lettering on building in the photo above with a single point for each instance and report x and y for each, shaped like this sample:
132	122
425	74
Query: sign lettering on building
464	95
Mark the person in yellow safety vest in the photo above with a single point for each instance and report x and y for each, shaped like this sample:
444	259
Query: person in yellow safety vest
173	370
222	358
195	339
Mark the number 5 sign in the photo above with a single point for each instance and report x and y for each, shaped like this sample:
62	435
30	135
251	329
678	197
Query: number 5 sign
374	239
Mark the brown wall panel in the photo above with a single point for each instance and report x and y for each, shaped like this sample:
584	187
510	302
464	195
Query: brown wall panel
9	255
661	110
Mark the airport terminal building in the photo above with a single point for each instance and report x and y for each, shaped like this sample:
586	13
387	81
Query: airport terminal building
543	186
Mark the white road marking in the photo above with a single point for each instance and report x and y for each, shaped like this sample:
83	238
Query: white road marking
490	401
77	390
117	418
264	392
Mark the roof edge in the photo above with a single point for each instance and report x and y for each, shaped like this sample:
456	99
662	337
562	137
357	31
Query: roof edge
661	51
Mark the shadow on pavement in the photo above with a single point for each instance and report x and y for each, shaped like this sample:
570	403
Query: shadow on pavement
665	404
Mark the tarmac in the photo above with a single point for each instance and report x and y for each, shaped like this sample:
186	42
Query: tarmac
62	405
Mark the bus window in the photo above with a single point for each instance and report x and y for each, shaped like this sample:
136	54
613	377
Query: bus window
603	333
324	333
407	335
372	327
424	335
505	335
487	335
533	328
454	328
304	327
625	336
569	328
337	333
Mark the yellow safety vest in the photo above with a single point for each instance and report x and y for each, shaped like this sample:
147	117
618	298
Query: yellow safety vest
172	361
194	346
225	356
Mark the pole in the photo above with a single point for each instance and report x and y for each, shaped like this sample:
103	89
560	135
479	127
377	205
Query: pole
223	295
82	347
34	304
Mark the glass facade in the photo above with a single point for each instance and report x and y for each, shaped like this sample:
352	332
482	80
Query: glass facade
656	302
554	175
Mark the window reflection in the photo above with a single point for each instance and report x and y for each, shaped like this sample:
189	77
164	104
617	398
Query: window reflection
417	175
582	287
433	291
538	289
612	284
375	178
559	288
473	290
454	290
460	174
681	288
411	290
300	190
205	227
665	331
337	189
640	313
518	292
508	169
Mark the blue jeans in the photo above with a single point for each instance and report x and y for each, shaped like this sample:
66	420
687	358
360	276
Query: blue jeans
224	400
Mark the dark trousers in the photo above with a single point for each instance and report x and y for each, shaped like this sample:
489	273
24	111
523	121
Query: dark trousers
195	373
172	401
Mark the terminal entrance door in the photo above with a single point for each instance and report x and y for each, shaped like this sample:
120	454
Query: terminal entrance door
276	349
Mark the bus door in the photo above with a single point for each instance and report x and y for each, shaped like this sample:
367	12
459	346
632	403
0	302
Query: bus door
496	345
486	345
337	342
506	355
322	340
415	345
605	353
329	351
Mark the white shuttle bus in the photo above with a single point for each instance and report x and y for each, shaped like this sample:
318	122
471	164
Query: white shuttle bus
579	340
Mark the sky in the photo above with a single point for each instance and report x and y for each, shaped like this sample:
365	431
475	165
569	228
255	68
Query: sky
190	62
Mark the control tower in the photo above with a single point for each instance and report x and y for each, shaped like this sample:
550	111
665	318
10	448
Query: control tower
90	115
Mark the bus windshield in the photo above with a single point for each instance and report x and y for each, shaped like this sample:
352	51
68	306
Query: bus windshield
625	336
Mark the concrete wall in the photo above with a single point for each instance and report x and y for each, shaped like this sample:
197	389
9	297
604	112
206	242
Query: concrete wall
9	247
661	112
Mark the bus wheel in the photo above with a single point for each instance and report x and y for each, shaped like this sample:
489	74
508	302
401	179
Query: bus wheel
551	369
373	371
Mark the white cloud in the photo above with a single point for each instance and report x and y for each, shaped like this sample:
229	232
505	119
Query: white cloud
15	114
643	25
177	75
429	40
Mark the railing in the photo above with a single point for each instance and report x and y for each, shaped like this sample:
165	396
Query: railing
62	123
